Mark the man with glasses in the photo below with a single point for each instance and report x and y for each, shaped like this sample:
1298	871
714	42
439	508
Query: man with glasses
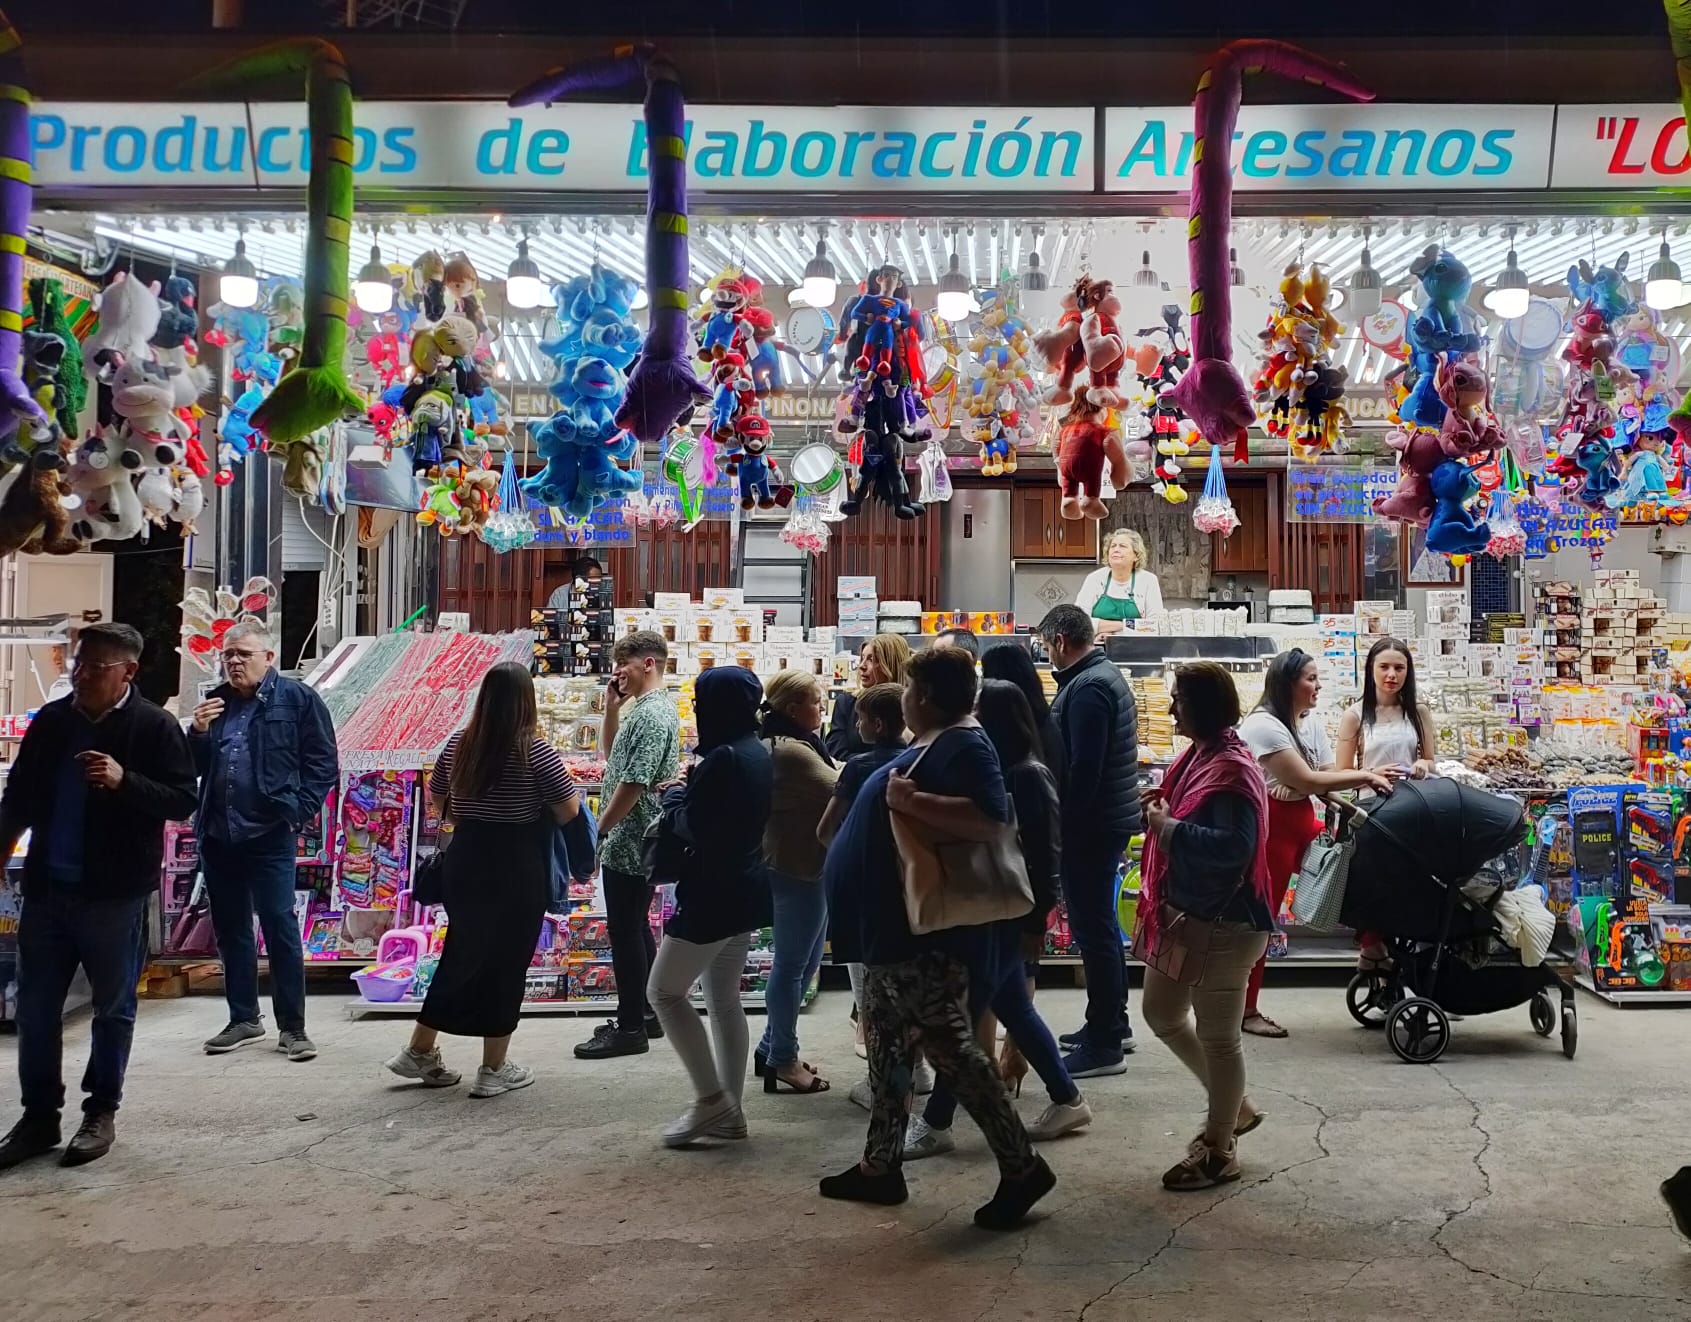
97	776
265	749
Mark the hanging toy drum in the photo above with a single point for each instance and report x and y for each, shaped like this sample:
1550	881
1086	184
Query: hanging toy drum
817	472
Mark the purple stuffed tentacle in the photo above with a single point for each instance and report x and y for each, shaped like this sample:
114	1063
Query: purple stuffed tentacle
16	402
1212	393
662	386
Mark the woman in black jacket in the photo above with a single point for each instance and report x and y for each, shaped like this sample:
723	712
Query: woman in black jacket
721	896
1001	985
1015	664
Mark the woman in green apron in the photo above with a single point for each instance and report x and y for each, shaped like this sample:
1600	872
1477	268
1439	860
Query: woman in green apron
1122	591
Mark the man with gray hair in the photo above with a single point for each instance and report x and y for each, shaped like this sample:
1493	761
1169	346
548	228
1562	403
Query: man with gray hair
265	750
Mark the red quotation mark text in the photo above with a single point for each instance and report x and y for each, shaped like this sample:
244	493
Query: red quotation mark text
1670	154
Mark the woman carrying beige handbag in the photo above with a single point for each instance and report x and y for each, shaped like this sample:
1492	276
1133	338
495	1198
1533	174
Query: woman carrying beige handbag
916	984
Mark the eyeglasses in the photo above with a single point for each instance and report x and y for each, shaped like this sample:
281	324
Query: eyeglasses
82	663
241	656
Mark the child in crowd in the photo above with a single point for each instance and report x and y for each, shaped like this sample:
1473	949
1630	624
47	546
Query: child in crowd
880	725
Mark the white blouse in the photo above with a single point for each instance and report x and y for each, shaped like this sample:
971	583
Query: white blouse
1390	742
1147	593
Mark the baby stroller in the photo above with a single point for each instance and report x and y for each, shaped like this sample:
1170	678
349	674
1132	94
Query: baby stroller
1414	852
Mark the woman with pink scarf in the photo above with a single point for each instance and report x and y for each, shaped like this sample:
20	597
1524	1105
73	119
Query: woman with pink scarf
1206	832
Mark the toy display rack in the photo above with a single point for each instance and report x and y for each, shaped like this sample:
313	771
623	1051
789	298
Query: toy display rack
1631	996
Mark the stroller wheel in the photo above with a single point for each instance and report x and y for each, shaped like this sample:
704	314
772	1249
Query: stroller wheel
1418	1030
1368	997
1570	1031
1543	1014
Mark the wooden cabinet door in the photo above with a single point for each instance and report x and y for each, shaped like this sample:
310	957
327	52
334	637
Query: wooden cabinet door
1246	551
1032	513
1077	539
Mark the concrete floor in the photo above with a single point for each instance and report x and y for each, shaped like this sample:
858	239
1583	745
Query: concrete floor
1504	1182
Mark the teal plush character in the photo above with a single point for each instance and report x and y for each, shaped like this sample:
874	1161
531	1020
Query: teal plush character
1453	530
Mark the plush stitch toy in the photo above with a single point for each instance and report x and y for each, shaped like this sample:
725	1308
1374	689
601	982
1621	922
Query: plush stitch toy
1452	529
315	393
662	387
1436	329
1419	453
1604	290
1468	430
1212	393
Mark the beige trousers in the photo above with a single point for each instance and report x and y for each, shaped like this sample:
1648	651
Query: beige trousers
1212	1049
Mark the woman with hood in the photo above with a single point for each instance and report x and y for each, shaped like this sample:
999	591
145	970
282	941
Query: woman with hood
721	895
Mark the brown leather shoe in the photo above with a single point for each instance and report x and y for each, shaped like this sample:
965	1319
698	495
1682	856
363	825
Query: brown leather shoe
92	1141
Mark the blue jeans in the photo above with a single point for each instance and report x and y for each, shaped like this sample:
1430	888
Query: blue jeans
1003	989
257	876
801	925
56	933
1089	893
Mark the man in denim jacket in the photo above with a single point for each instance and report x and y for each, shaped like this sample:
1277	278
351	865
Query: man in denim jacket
265	750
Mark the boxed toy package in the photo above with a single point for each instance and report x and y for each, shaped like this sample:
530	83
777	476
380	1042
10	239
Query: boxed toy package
1650	817
1594	813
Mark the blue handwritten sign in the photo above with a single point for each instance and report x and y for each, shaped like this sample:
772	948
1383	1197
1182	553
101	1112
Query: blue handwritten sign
607	526
1336	495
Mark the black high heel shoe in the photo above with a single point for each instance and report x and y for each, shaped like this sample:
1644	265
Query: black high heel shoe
773	1082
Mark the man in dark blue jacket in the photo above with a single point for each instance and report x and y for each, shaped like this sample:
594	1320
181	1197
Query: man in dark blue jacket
1099	723
265	750
97	776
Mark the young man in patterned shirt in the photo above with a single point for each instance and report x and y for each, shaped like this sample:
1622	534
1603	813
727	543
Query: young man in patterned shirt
642	742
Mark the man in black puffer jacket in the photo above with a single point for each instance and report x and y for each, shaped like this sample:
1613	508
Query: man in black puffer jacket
1099	723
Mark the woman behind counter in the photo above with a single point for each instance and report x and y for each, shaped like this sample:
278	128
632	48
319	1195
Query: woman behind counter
1121	592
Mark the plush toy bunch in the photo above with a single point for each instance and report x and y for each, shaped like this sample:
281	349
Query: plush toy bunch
1445	423
884	406
1003	402
1588	448
1297	387
586	452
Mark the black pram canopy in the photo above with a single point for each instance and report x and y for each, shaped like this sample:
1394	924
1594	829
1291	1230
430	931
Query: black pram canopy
1424	830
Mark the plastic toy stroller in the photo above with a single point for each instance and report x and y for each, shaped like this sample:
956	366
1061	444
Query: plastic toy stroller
1412	880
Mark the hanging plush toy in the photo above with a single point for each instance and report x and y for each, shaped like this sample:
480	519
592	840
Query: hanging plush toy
101	476
757	468
315	392
662	387
1419	453
1084	444
1172	447
1438	328
1468	431
1212	393
1453	530
1646	479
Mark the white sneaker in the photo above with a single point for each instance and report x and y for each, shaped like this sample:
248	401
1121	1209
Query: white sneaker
507	1078
1060	1118
924	1077
923	1140
426	1066
862	1094
731	1127
699	1119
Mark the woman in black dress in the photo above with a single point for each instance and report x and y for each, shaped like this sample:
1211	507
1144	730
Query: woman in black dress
499	790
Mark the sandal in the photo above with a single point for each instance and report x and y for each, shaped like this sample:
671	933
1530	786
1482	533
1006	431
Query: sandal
760	1064
1257	1024
773	1082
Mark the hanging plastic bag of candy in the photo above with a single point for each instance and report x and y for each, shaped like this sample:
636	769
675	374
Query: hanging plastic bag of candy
1214	511
935	476
1507	536
804	527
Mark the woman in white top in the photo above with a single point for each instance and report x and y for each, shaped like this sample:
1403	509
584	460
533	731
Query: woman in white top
1296	761
1390	730
1123	591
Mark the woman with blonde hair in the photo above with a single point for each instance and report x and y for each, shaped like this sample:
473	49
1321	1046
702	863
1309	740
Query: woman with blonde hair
1122	591
881	660
804	776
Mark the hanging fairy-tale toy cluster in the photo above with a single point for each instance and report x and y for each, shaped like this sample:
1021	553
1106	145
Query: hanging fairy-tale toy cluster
1298	389
585	449
884	405
742	369
1087	339
1003	401
1446	427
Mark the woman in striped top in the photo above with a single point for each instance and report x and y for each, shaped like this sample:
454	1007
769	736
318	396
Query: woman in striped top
500	791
